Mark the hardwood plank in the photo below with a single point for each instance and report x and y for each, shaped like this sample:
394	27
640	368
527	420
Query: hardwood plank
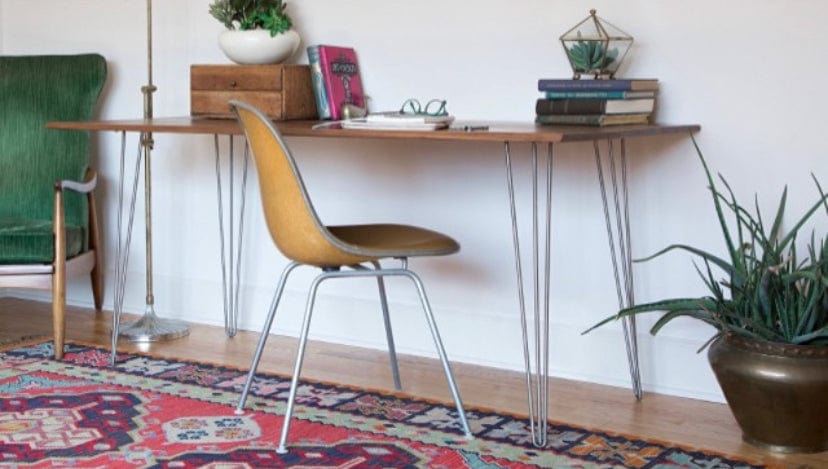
687	422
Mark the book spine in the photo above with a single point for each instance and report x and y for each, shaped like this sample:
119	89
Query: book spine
327	81
590	94
570	106
583	85
594	119
322	106
569	119
552	84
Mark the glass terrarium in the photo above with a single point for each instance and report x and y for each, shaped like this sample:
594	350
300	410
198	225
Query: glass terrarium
595	47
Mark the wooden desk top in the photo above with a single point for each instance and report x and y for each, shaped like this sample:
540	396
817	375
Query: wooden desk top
497	132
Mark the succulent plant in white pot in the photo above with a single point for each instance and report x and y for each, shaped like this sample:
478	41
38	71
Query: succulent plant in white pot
258	31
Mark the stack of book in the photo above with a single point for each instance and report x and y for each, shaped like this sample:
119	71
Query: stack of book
595	102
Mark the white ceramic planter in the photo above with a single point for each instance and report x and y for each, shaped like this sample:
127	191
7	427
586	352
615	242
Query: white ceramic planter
256	46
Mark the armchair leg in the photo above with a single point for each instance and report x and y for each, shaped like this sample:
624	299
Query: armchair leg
58	313
59	275
95	245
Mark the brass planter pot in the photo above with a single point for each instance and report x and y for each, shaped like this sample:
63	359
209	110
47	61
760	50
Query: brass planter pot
778	393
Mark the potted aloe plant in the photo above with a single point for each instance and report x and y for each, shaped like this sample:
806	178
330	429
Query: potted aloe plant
258	31
770	311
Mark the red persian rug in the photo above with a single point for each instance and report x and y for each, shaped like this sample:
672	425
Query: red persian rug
161	413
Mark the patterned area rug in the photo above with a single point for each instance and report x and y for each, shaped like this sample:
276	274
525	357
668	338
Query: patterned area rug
161	413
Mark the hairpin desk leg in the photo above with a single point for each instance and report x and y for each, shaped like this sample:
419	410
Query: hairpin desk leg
537	382
122	249
231	249
619	245
149	327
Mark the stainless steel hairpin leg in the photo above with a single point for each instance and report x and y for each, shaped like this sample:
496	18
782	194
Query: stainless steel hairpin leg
620	249
359	272
230	252
537	383
389	334
122	249
274	305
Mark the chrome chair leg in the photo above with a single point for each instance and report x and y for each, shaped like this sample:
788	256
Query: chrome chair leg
364	272
300	355
389	334
435	334
274	304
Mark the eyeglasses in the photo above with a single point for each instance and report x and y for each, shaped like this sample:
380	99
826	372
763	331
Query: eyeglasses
435	107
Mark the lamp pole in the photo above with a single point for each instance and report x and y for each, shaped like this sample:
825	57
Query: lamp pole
150	328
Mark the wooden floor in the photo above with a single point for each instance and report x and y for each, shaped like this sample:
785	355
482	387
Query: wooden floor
685	421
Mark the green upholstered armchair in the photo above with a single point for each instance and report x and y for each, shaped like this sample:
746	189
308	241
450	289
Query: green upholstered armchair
48	223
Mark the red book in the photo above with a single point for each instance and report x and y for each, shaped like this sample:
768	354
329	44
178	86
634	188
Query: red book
340	75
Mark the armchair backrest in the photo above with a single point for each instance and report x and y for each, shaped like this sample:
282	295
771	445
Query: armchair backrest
33	91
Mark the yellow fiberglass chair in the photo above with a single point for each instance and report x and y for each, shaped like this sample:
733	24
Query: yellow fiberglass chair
301	237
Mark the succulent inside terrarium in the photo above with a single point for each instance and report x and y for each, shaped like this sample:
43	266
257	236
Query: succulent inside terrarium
586	56
595	47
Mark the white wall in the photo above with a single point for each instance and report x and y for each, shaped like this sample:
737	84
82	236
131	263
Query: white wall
748	72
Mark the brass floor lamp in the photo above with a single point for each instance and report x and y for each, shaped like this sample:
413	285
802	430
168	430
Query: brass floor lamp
149	328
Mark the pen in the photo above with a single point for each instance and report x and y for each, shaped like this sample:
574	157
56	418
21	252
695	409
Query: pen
473	128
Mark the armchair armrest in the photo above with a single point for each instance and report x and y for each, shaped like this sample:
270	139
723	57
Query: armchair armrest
87	186
59	221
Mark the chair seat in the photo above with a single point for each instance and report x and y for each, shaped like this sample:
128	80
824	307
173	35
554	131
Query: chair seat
28	241
389	240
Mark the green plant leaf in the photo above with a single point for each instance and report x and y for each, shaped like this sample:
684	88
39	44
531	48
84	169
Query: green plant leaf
770	293
721	263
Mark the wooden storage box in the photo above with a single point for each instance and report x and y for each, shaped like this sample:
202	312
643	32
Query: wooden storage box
283	92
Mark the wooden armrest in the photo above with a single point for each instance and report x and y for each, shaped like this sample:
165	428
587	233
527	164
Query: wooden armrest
87	186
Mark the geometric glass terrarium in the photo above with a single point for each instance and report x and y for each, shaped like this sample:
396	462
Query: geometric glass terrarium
595	47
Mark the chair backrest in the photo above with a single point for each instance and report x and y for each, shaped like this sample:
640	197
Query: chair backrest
291	219
33	91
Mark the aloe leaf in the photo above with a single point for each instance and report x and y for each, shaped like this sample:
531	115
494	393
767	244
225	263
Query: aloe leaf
708	279
657	306
780	212
793	232
717	205
708	342
807	338
821	192
748	326
601	323
700	314
762	295
734	205
724	265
